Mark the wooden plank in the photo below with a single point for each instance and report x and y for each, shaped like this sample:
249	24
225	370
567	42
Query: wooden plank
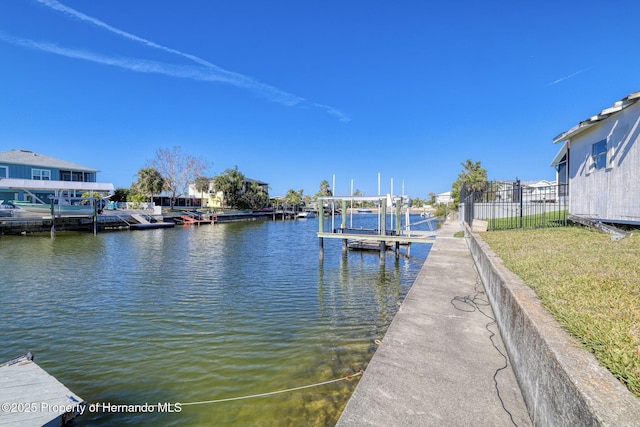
31	396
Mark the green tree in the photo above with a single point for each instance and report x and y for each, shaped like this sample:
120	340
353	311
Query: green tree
294	197
136	197
97	196
417	202
120	195
254	197
231	184
202	184
94	194
432	198
441	210
473	177
325	189
357	193
149	182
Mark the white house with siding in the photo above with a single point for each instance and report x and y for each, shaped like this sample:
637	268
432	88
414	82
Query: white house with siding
542	191
444	198
600	160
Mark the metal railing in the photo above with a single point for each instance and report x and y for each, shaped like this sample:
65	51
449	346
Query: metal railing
511	204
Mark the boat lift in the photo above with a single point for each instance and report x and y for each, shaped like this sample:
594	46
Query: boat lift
380	237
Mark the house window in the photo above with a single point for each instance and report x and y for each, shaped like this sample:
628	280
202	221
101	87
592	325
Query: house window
4	172
71	176
41	174
562	169
599	154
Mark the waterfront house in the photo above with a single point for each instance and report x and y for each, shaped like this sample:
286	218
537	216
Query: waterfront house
542	191
600	160
444	198
215	199
33	177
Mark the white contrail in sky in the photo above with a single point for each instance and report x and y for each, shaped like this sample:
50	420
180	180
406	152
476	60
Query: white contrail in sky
56	5
134	64
567	77
214	72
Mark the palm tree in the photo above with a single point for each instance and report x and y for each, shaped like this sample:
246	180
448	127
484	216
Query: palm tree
325	190
231	184
294	197
202	184
473	178
254	197
149	182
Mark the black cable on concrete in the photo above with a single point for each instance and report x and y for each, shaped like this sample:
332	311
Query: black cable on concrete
474	302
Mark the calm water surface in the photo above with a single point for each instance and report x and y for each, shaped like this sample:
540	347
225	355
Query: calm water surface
201	313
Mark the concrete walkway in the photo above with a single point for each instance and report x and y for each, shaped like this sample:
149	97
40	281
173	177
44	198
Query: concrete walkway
441	362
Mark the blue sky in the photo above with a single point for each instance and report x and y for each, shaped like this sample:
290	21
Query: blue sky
294	92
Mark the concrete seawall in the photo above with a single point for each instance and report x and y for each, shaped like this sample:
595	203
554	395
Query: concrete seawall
562	384
441	362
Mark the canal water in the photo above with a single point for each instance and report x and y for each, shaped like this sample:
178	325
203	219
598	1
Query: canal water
177	316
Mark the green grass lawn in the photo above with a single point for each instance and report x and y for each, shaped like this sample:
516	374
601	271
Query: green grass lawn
547	219
590	283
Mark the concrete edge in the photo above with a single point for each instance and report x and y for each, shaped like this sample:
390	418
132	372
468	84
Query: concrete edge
562	384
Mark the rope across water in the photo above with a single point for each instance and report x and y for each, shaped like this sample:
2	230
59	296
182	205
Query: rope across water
271	393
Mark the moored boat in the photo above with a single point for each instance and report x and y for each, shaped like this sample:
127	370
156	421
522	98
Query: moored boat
58	209
306	214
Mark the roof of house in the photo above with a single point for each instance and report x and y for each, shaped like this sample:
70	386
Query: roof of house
256	181
29	158
607	112
558	158
537	184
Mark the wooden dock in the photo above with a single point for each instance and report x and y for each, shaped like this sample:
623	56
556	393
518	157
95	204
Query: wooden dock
29	396
197	218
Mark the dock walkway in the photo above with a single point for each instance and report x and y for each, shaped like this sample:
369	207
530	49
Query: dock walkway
29	396
441	362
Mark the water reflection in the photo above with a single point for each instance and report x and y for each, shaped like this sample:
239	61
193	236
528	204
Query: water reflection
200	313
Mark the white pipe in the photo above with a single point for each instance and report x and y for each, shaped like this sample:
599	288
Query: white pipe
351	216
379	201
392	205
333	202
